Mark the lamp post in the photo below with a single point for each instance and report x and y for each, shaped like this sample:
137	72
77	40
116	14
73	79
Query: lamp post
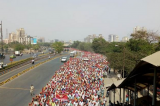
1	37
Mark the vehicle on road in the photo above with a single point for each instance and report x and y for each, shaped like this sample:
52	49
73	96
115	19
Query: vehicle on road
13	56
2	65
2	56
63	59
73	53
35	55
85	59
51	52
17	53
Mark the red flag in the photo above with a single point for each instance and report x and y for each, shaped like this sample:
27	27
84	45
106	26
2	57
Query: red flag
62	97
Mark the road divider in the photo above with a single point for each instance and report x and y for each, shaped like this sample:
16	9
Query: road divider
24	59
28	69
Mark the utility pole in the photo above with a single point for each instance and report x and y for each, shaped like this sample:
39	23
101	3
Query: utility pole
1	37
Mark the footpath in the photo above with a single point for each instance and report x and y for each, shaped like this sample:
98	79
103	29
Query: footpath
111	78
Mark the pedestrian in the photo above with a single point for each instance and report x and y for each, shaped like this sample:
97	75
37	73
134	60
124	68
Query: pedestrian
107	94
32	61
127	98
31	90
109	70
49	57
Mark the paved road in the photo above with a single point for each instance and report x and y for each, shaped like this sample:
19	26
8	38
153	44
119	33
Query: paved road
16	92
7	57
16	71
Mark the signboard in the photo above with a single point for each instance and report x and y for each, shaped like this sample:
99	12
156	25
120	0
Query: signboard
11	60
34	41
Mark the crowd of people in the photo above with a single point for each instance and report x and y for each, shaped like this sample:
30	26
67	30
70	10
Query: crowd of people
78	82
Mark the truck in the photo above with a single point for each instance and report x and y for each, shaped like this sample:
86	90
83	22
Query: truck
73	53
17	53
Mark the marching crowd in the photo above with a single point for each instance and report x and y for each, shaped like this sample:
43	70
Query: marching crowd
76	83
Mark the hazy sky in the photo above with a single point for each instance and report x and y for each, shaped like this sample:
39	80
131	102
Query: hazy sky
76	19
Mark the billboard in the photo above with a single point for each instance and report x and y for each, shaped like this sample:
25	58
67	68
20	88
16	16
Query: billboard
34	41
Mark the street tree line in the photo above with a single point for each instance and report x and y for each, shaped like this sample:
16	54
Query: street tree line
124	54
20	46
58	46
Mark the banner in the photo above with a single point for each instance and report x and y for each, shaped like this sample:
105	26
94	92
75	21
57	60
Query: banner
34	41
62	97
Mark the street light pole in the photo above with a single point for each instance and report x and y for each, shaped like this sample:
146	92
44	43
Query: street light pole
1	37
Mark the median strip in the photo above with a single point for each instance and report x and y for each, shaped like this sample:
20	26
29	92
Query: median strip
28	69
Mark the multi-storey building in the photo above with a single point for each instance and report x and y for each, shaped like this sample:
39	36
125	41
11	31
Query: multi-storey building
19	36
137	28
90	38
125	39
110	38
41	39
113	38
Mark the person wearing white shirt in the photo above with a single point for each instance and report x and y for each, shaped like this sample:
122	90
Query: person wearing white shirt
97	104
81	103
75	104
95	97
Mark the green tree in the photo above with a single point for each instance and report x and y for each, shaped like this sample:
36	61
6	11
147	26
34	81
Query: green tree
99	45
58	46
75	44
150	37
35	46
19	47
85	46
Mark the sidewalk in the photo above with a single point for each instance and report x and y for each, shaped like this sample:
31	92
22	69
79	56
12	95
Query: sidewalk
111	78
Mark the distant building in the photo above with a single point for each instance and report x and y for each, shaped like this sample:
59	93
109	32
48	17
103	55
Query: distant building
125	39
113	38
13	37
19	36
41	39
110	38
5	41
90	38
51	41
56	40
62	41
137	28
100	36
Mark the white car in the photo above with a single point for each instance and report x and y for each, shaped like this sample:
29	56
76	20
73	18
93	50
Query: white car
63	59
4	65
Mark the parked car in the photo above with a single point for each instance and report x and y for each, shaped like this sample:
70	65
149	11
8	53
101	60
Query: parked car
63	59
12	56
